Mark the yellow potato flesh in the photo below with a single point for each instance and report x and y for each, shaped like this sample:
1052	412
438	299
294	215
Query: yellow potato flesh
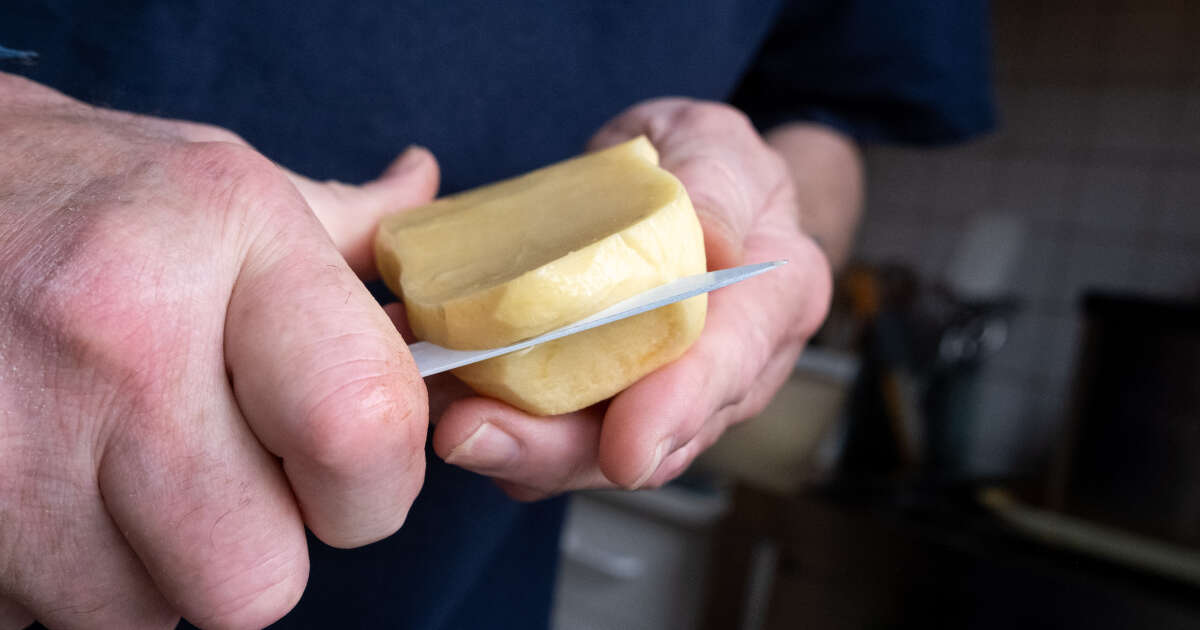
518	258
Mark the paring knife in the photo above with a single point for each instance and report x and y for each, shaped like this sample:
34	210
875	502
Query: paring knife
433	359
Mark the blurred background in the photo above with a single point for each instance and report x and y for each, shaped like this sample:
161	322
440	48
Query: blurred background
1000	423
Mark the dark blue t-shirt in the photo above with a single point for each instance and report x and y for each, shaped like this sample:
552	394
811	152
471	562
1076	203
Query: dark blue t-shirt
335	89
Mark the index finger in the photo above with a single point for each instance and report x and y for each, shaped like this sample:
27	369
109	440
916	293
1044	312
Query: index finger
323	377
750	340
753	334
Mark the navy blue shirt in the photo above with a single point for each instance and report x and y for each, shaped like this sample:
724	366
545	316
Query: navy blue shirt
335	89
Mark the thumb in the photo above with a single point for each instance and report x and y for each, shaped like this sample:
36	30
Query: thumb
351	214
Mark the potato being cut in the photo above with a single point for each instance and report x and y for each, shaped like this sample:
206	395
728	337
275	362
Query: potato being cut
506	262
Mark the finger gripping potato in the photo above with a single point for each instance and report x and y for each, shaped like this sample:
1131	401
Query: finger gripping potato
512	260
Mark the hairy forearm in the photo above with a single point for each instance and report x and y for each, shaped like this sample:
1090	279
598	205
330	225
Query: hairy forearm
828	171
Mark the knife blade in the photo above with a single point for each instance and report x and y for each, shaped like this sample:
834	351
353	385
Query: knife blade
433	359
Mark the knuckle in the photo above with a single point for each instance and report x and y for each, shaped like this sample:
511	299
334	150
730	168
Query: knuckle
660	104
656	118
675	119
722	191
116	358
382	411
776	170
231	178
755	405
222	162
254	596
711	117
236	555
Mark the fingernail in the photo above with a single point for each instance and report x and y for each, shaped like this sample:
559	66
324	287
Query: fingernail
487	448
660	451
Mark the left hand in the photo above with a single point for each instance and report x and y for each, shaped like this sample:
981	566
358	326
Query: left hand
650	433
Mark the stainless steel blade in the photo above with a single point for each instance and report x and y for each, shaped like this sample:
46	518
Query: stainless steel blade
433	359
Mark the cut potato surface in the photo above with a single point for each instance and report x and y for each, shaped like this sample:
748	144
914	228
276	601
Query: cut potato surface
506	262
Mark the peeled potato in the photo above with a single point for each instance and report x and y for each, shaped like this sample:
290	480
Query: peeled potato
506	262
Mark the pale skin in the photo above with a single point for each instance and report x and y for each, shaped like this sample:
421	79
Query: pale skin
191	373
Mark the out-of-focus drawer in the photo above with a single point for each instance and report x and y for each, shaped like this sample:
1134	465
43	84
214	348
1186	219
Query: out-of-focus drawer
628	566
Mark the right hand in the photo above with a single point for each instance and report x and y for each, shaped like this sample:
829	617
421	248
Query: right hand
190	372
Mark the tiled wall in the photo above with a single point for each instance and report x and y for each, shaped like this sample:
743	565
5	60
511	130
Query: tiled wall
1099	153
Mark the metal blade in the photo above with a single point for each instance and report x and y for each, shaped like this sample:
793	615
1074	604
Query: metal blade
433	359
